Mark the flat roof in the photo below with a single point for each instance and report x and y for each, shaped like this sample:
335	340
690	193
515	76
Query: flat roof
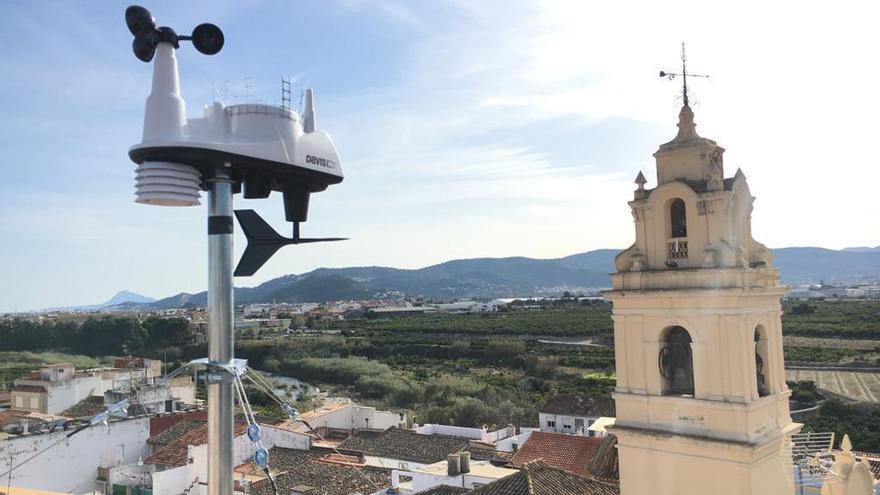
484	469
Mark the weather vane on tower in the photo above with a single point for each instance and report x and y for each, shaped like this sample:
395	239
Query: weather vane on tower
684	75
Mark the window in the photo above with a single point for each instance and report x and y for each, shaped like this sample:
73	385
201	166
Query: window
676	362
677	219
403	465
19	401
760	354
566	427
35	403
551	424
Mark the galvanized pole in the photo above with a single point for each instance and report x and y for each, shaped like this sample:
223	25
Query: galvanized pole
220	336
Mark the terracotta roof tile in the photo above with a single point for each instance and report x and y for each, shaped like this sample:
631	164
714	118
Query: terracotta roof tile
484	452
173	454
605	464
406	445
537	478
174	432
294	467
87	407
568	452
444	490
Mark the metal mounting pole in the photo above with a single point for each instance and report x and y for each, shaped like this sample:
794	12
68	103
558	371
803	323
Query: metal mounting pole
220	336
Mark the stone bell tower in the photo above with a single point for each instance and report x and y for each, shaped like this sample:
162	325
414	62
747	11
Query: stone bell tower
702	404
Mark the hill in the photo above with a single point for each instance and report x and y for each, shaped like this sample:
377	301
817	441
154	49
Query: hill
122	298
514	277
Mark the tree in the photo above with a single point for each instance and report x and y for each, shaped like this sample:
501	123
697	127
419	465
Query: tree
472	412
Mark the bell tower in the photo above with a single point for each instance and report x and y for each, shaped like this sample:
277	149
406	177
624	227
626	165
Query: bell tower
702	404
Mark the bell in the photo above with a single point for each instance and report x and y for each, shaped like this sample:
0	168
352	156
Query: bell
681	381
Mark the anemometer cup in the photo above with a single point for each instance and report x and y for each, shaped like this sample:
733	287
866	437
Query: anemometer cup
207	38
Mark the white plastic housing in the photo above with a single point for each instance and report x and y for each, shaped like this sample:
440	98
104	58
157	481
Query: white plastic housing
271	136
167	184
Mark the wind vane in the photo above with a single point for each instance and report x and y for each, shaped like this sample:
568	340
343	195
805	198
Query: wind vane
684	75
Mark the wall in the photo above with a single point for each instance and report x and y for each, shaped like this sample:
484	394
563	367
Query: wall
563	420
456	431
173	481
287	439
381	420
184	389
506	445
388	463
78	457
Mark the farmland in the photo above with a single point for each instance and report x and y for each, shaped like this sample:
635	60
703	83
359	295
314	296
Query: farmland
856	386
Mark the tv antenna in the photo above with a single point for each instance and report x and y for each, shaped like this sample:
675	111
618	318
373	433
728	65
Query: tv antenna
684	75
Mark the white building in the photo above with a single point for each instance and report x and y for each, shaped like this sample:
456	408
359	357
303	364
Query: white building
71	464
573	415
345	415
458	471
181	464
503	439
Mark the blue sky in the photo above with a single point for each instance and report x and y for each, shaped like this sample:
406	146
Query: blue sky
465	129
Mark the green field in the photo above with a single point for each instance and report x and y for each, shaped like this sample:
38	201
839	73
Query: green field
470	369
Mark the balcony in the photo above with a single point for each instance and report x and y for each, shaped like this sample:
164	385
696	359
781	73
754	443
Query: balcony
677	248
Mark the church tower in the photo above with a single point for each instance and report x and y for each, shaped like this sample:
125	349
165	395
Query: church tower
702	404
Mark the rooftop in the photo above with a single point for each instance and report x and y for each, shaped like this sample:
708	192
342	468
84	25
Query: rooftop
486	452
477	468
33	389
293	467
405	445
568	452
88	407
174	453
444	490
537	478
321	411
605	465
578	406
179	429
14	416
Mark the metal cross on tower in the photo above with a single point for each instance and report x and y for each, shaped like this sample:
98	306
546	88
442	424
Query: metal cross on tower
684	75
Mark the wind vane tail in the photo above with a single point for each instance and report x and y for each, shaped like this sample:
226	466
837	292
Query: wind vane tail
262	239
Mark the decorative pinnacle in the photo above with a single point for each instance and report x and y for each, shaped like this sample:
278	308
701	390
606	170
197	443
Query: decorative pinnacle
846	444
684	75
641	181
687	129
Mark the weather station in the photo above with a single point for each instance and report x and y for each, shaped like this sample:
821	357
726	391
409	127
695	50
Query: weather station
252	149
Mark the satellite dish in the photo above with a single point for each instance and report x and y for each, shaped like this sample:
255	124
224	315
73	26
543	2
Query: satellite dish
139	20
207	38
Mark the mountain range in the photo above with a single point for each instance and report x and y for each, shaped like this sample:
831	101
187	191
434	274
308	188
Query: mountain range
515	277
122	298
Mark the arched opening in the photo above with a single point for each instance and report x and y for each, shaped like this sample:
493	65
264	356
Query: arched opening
678	218
676	362
761	361
677	245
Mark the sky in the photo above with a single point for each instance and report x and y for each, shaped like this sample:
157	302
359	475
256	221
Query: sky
465	129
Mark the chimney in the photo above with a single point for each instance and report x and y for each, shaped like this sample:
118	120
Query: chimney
464	461
453	465
515	444
24	425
